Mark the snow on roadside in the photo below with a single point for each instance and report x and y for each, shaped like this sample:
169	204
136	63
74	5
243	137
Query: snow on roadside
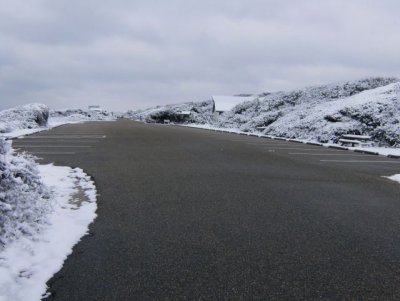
52	123
32	118
44	210
27	263
384	151
23	132
395	178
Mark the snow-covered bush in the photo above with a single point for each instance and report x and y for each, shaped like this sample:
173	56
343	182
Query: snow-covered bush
200	112
80	115
24	200
368	106
324	113
28	116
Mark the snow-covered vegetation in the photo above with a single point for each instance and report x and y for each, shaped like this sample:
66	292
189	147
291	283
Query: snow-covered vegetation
200	112
44	210
30	116
24	200
324	113
78	115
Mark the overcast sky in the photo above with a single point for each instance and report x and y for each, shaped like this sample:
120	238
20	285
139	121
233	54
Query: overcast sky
130	54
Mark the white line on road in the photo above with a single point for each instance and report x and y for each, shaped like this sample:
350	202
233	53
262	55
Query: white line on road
55	146
268	143
238	140
248	138
38	141
360	161
67	137
328	154
272	145
296	148
53	153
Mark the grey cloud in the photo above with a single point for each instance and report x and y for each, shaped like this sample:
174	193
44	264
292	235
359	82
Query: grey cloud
130	54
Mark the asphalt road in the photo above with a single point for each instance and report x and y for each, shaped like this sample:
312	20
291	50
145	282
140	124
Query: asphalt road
188	214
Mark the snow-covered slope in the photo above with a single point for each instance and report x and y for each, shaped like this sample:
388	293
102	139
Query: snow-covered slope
201	112
370	107
323	113
28	116
375	113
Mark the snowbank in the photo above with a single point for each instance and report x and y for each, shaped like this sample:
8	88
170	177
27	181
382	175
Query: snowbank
395	178
44	211
30	116
28	262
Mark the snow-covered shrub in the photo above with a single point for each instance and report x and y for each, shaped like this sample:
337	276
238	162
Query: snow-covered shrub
169	114
24	200
369	106
200	112
80	115
28	116
324	113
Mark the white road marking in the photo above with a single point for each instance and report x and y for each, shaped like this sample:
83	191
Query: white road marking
67	137
38	141
268	143
53	153
296	148
80	134
328	154
56	146
276	145
360	161
239	140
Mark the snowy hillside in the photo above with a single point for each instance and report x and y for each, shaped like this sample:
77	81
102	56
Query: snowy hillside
370	107
200	112
323	113
29	116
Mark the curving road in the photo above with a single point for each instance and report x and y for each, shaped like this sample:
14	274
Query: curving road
187	214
